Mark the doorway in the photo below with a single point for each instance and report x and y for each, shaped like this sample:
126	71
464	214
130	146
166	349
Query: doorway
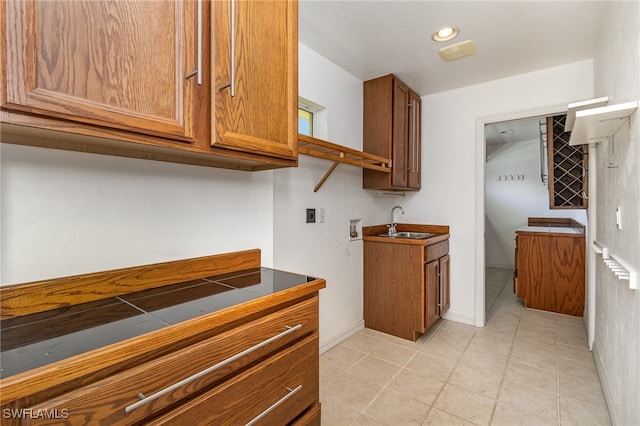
513	175
515	189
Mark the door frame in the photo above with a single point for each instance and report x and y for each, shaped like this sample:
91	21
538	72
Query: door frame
481	149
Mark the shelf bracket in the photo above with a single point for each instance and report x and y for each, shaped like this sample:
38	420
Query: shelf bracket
326	175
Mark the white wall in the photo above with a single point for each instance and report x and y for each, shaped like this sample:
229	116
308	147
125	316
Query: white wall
325	249
65	213
617	320
508	204
453	160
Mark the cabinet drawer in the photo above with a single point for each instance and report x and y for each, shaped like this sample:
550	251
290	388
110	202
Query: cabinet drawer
311	417
273	392
109	401
436	251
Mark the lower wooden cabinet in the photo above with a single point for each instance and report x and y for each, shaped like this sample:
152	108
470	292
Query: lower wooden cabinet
550	270
153	387
406	286
437	285
272	392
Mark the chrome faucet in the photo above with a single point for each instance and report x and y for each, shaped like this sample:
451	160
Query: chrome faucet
392	226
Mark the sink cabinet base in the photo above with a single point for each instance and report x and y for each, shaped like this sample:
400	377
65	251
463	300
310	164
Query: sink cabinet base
406	284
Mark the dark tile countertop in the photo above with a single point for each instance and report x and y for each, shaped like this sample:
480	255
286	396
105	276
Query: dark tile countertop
42	338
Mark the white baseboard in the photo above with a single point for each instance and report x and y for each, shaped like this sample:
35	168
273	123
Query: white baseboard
342	337
605	385
465	319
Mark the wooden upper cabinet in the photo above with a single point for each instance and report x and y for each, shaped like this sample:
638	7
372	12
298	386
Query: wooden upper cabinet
117	64
392	127
256	76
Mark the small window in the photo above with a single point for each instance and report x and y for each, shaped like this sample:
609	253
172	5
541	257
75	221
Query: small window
312	119
305	122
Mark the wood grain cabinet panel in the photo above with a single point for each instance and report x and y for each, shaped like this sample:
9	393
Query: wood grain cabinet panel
256	89
239	347
551	271
406	286
119	64
106	401
274	392
391	129
151	79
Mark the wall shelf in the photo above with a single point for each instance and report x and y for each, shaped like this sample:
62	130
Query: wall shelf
319	148
579	106
600	124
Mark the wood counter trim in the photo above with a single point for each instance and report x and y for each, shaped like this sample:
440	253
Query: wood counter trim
371	233
94	365
550	234
411	241
24	299
554	222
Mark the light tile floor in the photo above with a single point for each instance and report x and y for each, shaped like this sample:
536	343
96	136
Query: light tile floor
526	367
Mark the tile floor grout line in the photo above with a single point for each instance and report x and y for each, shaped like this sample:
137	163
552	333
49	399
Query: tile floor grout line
558	377
504	372
362	412
512	320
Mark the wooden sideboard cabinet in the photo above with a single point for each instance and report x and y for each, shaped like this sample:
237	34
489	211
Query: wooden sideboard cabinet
392	129
550	265
254	360
406	282
150	79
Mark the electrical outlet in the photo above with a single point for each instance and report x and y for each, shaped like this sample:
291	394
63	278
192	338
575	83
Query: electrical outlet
311	215
321	215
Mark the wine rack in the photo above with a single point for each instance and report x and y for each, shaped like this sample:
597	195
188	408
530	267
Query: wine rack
567	167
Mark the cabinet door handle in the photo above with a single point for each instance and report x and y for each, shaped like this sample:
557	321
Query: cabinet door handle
416	148
198	70
146	399
414	141
290	393
441	292
232	50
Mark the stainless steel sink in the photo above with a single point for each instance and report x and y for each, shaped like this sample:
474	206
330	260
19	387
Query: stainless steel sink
410	235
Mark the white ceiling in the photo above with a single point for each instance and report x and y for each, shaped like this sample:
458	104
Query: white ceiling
513	131
370	38
374	37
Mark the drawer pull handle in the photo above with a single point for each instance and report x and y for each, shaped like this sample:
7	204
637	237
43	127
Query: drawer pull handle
275	405
208	370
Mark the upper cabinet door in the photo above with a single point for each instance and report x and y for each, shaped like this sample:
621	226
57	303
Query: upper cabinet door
400	144
256	76
414	143
118	64
391	129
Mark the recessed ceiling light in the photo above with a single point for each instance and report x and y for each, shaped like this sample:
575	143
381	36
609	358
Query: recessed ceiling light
445	34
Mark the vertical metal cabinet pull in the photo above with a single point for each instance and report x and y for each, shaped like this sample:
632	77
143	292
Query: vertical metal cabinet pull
198	71
233	47
147	399
415	136
275	405
441	291
232	50
414	140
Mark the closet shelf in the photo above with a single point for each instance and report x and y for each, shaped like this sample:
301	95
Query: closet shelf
319	148
599	124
